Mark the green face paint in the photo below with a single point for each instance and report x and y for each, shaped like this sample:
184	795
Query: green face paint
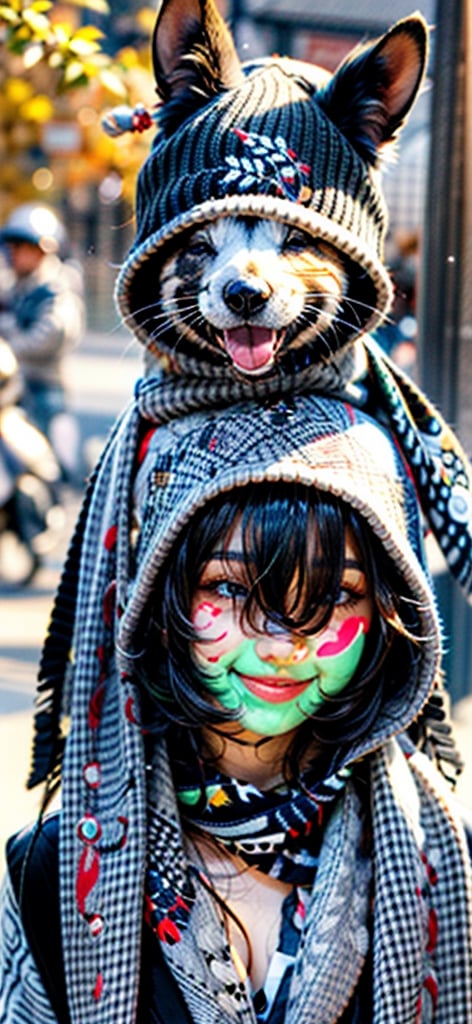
276	700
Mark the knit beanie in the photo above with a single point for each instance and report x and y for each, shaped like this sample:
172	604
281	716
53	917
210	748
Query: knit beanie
285	141
264	149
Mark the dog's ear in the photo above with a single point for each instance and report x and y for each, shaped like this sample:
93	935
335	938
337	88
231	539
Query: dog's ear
194	57
372	92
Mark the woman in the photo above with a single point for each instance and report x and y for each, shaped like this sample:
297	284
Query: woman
241	752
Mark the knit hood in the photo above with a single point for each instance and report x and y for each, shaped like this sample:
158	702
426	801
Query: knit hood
314	441
277	139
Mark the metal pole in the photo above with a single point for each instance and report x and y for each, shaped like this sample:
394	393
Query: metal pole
444	305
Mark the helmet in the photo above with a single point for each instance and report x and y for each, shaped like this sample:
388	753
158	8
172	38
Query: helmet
38	224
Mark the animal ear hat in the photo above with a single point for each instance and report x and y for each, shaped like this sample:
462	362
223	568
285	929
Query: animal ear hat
278	139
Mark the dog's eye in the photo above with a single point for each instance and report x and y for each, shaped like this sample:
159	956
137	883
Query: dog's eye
199	245
297	241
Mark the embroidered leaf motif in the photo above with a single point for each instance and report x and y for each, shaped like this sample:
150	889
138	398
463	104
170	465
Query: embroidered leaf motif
267	165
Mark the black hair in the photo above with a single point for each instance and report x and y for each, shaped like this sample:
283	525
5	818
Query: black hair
291	533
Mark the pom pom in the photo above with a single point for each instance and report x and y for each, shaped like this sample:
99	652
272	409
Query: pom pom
127	119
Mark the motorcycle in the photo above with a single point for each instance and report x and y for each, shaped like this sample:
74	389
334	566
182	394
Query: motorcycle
31	516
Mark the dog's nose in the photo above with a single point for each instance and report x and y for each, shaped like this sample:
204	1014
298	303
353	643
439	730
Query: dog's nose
246	298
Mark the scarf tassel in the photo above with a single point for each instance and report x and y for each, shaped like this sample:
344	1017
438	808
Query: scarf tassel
48	741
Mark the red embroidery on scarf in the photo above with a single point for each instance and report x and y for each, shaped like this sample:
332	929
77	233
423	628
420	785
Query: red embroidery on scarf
92	774
109	603
98	987
109	540
95	706
431	986
87	877
167	931
432	932
430	871
144	445
129	711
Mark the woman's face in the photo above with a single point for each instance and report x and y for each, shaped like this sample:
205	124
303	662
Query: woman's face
275	677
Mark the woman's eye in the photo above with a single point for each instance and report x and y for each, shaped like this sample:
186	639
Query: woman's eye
230	590
347	597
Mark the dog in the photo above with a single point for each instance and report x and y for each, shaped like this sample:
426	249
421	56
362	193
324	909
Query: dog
244	291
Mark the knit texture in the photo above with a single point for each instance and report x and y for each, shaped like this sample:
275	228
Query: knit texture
265	149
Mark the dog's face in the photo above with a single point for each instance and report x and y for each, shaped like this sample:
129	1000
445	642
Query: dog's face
248	289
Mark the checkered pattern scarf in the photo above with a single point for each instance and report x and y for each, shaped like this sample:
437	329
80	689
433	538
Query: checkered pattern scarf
87	674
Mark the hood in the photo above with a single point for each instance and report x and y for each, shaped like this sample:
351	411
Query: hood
147	485
319	442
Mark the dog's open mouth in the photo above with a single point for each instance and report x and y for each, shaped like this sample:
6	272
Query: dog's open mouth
252	349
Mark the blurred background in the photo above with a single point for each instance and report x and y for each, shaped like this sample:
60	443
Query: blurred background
63	65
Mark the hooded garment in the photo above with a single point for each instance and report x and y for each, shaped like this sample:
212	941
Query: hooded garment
110	805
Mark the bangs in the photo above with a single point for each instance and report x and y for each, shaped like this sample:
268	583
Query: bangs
293	550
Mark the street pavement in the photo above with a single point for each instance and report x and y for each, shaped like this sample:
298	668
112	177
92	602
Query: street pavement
102	372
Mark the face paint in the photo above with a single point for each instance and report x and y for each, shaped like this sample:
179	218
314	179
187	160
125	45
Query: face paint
277	693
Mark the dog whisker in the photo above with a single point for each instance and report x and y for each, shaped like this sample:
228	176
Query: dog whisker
137	313
190	319
363	306
199	287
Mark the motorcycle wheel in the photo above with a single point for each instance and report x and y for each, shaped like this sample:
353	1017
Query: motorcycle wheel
18	562
31	525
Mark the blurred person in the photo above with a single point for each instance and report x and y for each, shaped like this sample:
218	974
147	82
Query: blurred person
31	515
42	316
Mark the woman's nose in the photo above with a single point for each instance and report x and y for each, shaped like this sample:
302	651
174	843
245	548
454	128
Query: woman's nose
279	647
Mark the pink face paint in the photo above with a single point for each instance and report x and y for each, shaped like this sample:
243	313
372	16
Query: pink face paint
204	620
335	641
204	615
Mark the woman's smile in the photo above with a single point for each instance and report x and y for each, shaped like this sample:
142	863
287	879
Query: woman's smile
274	689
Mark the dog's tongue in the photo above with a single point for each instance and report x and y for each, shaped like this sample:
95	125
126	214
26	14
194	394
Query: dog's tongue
250	348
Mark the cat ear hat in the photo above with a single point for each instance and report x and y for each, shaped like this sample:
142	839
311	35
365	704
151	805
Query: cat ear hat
285	140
